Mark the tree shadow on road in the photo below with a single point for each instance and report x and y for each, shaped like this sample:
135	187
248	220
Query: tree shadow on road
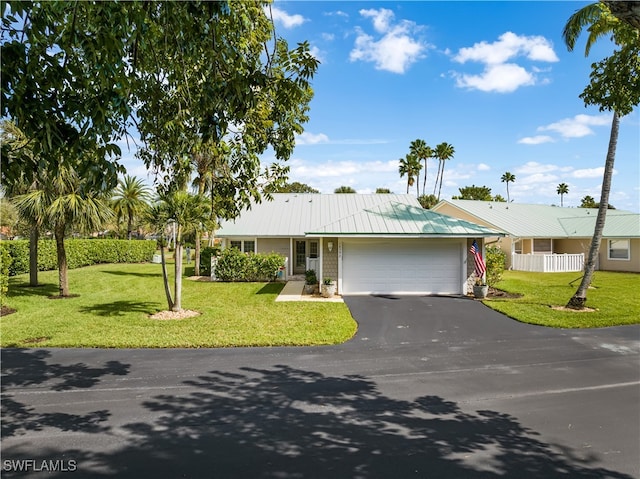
289	423
25	367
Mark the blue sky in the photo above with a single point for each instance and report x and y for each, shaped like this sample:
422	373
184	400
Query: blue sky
493	79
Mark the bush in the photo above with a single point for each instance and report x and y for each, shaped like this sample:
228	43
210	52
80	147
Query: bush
496	261
205	259
5	262
80	252
310	277
233	265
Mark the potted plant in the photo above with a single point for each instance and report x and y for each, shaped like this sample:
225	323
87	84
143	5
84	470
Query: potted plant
328	288
480	289
310	281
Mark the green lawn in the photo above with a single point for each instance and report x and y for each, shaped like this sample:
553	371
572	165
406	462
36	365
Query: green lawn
115	301
614	296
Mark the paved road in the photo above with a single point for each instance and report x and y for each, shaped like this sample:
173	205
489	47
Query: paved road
429	388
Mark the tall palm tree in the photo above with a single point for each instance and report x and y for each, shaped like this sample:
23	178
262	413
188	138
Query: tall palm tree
423	152
131	200
613	87
66	201
562	190
508	178
410	166
443	152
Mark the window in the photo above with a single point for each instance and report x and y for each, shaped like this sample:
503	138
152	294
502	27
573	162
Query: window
619	249
542	245
246	246
313	249
517	247
249	247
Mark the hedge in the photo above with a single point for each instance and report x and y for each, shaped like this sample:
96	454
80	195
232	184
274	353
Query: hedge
5	262
233	265
80	252
205	259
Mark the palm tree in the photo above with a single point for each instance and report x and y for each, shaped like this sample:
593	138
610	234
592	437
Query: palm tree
187	211
612	88
443	152
508	178
17	146
562	190
588	202
65	201
130	201
410	166
423	152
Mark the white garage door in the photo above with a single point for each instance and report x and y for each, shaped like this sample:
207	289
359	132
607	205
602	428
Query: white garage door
402	267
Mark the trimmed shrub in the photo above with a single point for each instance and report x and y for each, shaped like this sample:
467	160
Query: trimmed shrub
80	252
233	265
496	261
5	262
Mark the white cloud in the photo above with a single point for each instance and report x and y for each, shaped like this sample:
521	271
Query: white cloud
537	178
317	54
396	50
533	167
483	167
590	172
286	20
501	74
341	169
307	138
536	140
329	37
508	46
576	127
502	78
381	18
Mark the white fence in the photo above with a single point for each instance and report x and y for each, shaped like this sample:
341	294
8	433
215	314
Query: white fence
547	263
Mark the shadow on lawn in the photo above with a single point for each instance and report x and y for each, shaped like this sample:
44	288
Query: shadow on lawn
23	289
120	308
133	273
271	288
289	423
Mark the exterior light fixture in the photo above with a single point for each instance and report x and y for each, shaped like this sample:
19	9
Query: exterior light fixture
330	246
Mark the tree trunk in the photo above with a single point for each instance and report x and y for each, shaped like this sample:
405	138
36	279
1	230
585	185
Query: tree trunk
196	254
177	296
63	280
441	177
580	297
34	236
424	182
165	278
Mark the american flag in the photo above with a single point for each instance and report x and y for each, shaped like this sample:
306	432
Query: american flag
479	262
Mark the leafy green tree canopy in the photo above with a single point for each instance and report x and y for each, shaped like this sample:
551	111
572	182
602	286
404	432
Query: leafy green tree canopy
344	189
473	192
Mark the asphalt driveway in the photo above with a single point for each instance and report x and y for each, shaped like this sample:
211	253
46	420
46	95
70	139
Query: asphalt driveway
430	387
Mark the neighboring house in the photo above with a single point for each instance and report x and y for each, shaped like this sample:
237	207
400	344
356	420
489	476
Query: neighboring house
551	238
370	244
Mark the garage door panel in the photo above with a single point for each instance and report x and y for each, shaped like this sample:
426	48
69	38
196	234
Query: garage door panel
401	266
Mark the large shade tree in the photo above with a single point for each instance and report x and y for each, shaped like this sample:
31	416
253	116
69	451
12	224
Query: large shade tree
231	89
614	86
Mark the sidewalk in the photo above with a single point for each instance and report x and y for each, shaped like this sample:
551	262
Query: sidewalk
293	291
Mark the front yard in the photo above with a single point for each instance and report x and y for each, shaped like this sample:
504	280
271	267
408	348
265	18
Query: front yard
115	301
614	297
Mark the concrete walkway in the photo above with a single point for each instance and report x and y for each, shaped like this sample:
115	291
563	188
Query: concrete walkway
294	291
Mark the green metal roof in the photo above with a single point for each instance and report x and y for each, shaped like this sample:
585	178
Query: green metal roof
297	215
615	226
545	221
394	219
